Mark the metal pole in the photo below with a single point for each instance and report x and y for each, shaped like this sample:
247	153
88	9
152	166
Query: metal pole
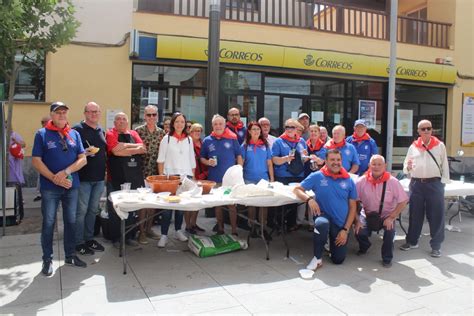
212	106
3	163
391	82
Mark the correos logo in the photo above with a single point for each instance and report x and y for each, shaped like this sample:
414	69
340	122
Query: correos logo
326	63
225	53
402	71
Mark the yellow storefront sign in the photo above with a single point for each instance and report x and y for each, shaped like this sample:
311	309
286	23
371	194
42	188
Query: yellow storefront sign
184	48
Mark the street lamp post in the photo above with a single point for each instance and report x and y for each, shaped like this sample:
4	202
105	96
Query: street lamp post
391	82
212	106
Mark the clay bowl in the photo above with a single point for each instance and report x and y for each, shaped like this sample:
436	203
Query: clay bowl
164	183
207	185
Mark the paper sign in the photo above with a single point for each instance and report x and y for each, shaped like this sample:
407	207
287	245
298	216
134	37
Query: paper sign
337	118
294	115
317	116
153	97
367	112
110	117
467	127
404	122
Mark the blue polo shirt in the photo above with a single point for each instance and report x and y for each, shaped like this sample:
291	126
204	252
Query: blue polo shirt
226	151
48	146
332	195
255	162
349	156
240	134
282	148
365	149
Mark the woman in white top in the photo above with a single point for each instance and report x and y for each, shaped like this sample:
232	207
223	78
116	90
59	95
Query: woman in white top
175	157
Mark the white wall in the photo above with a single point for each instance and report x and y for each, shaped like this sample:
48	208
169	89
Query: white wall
103	21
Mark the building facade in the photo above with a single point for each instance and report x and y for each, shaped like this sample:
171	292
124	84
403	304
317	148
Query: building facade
278	58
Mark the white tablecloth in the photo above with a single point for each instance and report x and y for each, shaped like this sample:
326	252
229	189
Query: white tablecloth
452	189
125	202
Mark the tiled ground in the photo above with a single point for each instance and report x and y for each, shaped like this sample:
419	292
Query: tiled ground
174	281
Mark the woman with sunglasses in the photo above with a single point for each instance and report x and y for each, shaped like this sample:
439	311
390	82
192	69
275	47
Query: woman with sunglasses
176	157
200	173
257	164
287	153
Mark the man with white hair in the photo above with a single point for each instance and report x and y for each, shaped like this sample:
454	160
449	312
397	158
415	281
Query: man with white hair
265	125
220	151
350	157
427	164
383	199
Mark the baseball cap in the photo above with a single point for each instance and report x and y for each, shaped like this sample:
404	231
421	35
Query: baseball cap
303	115
58	105
360	122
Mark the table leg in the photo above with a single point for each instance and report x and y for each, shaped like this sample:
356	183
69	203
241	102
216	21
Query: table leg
122	247
262	235
458	213
283	231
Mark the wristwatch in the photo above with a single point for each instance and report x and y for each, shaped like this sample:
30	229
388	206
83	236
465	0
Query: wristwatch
308	199
344	228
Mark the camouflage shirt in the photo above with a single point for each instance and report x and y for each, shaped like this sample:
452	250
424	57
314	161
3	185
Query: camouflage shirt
152	142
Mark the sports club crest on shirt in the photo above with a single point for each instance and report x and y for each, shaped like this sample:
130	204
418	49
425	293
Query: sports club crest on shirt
51	144
343	184
366	147
241	133
227	145
211	147
323	183
348	152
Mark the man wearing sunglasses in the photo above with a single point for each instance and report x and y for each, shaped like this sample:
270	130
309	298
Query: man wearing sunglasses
57	155
427	164
151	136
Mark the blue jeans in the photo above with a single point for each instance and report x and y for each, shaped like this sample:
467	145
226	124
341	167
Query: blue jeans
166	221
387	246
325	228
49	206
87	209
426	198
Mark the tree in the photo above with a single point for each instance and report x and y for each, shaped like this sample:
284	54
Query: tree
29	29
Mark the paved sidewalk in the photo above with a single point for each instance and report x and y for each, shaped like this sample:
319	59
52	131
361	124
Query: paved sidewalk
174	281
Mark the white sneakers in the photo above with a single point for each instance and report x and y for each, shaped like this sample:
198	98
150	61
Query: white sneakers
314	264
163	241
178	235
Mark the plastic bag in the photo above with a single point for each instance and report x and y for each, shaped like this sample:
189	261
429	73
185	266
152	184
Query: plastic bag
204	246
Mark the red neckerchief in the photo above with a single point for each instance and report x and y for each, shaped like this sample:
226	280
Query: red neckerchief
63	131
385	176
291	140
228	134
332	145
358	139
235	128
433	142
317	147
341	175
256	144
180	137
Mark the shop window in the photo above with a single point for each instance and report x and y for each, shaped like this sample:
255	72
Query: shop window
247	104
233	81
368	90
192	103
171	76
287	85
327	88
30	82
420	94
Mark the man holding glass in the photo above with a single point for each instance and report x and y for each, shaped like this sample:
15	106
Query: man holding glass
427	164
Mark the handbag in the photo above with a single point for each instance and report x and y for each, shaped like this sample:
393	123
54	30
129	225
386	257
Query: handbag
296	166
374	219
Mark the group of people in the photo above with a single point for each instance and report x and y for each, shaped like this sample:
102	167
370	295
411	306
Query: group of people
73	162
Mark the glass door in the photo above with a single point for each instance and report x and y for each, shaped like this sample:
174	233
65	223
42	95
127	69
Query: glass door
247	105
292	107
326	112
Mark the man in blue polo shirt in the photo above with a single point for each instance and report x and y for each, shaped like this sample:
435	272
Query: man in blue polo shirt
92	178
350	158
57	155
334	208
364	145
220	151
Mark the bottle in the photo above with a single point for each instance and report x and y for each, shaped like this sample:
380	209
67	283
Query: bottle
69	177
461	178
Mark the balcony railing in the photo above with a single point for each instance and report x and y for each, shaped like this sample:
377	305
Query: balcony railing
311	14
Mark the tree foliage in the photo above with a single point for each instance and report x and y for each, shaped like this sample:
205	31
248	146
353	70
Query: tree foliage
29	29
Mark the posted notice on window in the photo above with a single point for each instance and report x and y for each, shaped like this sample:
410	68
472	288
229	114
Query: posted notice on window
368	112
109	123
404	122
467	127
